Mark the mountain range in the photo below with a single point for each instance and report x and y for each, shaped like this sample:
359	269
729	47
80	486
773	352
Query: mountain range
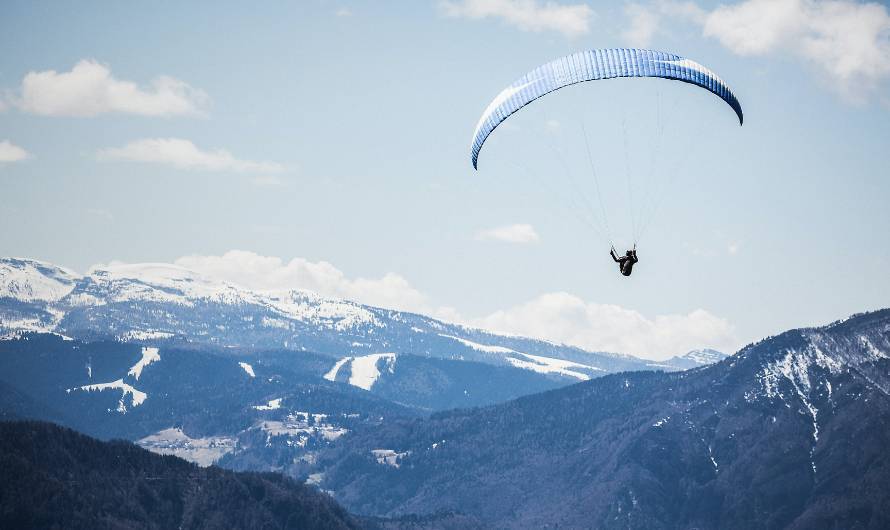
791	432
165	305
411	422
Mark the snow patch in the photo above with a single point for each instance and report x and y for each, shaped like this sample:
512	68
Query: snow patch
247	369
143	335
275	323
479	347
661	422
548	365
273	404
872	350
388	457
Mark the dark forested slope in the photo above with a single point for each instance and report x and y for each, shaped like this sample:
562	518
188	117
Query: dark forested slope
791	432
53	477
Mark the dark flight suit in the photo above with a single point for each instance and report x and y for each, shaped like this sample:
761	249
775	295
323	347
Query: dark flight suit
626	262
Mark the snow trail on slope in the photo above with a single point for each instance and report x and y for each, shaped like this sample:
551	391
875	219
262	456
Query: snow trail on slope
149	355
332	373
364	369
137	396
548	365
535	363
479	347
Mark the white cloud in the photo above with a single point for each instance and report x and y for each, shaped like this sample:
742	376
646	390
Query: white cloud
183	154
10	152
518	233
572	20
89	89
565	318
847	41
644	23
755	26
343	12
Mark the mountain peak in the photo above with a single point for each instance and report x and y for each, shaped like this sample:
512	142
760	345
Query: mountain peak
31	280
696	358
705	356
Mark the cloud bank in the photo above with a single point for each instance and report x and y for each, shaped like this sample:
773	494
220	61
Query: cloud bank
572	20
89	89
183	154
846	41
565	318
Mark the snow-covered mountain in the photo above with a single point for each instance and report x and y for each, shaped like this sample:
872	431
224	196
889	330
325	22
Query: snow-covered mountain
696	358
166	304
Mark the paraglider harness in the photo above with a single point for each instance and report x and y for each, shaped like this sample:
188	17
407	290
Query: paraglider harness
625	262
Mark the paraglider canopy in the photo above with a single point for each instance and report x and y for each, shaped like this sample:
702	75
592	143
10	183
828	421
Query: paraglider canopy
592	65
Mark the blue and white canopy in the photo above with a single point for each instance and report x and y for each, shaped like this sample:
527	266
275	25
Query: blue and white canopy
593	65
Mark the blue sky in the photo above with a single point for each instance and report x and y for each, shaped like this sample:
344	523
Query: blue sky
328	144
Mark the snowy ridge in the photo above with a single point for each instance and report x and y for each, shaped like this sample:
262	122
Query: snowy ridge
800	367
161	282
705	356
170	284
164	302
309	307
31	280
800	376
